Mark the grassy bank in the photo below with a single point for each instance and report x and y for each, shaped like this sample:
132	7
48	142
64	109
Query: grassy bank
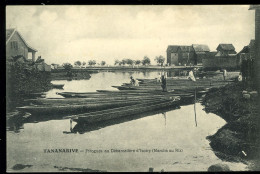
238	140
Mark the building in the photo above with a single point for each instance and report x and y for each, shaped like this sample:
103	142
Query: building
252	50
248	52
225	57
225	50
17	50
200	52
257	32
186	55
16	45
257	43
172	55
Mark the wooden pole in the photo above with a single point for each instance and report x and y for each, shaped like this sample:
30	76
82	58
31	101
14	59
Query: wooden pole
195	108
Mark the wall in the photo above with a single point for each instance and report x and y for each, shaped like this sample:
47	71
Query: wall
186	57
174	58
168	53
199	56
22	48
257	46
221	62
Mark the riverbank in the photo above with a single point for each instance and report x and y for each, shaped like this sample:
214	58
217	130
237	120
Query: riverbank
238	140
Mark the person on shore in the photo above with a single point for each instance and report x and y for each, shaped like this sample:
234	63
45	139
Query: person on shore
191	76
224	74
132	81
164	88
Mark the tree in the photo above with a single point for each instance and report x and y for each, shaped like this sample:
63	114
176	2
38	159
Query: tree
129	62
160	60
146	61
117	62
138	62
123	62
92	62
77	63
68	68
103	63
83	63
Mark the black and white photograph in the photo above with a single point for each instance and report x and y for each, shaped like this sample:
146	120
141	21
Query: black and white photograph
132	88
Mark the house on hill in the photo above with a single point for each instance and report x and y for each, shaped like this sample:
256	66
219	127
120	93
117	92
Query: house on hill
17	50
16	45
225	50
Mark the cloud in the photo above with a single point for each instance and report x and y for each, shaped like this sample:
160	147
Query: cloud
70	33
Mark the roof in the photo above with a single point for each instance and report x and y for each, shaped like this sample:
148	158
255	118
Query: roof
226	47
200	48
172	48
246	49
186	48
10	32
253	7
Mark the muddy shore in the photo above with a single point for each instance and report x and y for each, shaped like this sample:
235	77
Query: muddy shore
239	139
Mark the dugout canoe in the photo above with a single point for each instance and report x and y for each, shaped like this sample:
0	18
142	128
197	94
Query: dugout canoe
123	111
109	95
78	108
152	88
78	101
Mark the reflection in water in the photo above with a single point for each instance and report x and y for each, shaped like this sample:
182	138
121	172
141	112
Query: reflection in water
164	116
84	128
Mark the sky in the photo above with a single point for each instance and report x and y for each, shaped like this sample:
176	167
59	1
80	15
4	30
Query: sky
95	32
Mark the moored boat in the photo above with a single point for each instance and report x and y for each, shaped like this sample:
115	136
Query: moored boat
80	108
123	111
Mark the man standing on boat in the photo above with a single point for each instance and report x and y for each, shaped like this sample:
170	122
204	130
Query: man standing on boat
164	83
224	74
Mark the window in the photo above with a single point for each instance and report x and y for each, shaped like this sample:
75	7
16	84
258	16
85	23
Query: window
14	45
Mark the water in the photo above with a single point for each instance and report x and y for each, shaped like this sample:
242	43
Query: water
173	130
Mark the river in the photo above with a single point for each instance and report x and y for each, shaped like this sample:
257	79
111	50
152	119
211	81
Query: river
168	141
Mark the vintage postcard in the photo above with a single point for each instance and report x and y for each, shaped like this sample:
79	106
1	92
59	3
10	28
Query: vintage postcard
132	88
